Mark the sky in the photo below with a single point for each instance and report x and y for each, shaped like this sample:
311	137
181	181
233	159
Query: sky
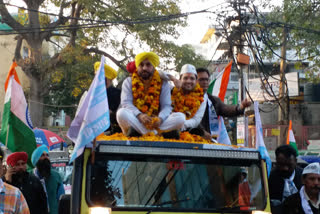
198	24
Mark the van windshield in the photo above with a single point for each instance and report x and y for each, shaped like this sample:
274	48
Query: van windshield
159	182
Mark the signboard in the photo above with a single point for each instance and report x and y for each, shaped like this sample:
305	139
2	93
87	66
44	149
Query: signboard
257	88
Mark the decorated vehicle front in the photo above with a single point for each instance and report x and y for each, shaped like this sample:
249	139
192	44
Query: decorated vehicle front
169	177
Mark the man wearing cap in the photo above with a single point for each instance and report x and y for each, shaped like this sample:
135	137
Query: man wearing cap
145	101
215	107
307	200
113	94
29	185
189	99
11	198
285	178
50	179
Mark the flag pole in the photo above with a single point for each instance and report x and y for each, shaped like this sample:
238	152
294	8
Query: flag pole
8	129
93	152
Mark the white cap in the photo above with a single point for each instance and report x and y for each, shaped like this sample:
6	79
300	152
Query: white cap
312	168
188	68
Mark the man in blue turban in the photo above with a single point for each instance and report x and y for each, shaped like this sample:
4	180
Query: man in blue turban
49	178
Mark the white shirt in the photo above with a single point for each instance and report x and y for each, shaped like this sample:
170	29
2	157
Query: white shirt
165	99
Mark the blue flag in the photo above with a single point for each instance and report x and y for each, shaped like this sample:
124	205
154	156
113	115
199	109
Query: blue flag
93	117
259	138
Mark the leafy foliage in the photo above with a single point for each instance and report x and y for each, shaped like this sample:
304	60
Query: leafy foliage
301	19
82	32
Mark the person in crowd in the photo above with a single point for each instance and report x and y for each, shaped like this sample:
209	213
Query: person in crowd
285	178
145	101
11	198
215	107
28	184
113	94
189	99
50	179
307	200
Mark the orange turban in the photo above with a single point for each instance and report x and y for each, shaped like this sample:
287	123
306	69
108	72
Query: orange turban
15	157
152	57
109	72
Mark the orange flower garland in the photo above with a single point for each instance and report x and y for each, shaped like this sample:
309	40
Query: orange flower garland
187	103
147	101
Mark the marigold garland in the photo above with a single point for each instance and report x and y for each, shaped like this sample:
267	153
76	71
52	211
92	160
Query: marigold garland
147	101
187	103
185	137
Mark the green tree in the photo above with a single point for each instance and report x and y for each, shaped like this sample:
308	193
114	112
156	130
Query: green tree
83	30
301	21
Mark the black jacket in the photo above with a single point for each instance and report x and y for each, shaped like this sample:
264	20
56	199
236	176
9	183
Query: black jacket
33	192
292	205
276	183
221	109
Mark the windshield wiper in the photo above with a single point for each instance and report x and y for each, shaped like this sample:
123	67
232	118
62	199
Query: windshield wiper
172	202
165	203
234	208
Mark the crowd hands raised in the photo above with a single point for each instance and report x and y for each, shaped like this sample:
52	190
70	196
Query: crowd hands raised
150	104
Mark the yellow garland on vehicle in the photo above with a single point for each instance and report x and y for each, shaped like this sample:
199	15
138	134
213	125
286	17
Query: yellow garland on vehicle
147	101
187	103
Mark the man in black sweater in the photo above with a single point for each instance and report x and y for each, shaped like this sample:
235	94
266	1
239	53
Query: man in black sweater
285	178
216	106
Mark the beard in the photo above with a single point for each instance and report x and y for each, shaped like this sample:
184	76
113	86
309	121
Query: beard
18	176
145	75
44	167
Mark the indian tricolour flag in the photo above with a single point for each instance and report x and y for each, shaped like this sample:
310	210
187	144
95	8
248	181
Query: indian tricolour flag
16	131
290	139
218	87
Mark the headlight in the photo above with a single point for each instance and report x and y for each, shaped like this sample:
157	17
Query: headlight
99	210
260	212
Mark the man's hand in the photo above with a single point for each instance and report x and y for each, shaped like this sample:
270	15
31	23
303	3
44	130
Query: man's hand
157	123
244	104
177	83
207	135
144	119
10	171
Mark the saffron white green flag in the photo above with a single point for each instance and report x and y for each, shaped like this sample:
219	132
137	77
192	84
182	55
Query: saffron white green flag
218	87
290	138
16	131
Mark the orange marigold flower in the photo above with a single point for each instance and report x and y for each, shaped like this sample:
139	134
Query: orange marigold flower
187	103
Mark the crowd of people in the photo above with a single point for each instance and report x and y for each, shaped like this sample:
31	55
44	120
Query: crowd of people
292	189
150	104
35	192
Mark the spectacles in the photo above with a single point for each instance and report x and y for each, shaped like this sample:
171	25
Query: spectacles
203	79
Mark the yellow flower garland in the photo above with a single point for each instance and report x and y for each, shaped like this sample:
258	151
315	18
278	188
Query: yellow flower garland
147	101
187	103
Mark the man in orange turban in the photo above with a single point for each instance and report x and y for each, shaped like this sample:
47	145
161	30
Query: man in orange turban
145	101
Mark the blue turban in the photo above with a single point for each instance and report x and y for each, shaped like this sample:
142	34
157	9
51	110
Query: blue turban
37	154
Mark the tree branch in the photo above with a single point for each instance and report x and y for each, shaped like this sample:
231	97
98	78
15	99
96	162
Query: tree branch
9	20
76	9
97	51
61	21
